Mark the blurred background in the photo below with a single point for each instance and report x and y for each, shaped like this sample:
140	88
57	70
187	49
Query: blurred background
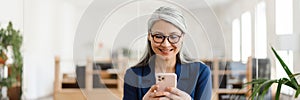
79	49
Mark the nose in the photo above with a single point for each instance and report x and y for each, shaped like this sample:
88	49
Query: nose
166	43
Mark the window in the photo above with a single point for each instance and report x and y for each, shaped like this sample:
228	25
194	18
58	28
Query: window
284	16
284	26
260	31
236	40
246	36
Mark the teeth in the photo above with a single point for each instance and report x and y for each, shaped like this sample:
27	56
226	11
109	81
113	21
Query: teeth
166	50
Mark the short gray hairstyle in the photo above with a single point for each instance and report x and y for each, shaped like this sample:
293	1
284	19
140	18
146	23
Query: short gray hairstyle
170	15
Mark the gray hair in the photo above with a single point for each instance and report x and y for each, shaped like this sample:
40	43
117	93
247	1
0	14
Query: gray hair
174	17
170	15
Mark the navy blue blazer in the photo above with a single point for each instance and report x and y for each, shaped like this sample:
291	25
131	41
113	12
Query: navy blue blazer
192	78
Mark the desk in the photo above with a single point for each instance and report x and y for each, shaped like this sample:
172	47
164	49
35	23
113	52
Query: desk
88	93
105	78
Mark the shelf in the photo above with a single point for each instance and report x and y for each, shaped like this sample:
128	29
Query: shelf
68	80
232	91
217	81
221	72
105	81
103	60
108	71
109	81
107	78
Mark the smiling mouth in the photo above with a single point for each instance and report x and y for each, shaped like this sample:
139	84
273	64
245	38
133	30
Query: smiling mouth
165	50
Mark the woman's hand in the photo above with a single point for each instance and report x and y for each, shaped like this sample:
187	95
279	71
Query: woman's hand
176	94
152	94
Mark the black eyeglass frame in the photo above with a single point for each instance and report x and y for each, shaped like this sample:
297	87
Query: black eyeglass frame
164	38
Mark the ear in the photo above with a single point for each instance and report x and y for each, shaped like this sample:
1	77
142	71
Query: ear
149	36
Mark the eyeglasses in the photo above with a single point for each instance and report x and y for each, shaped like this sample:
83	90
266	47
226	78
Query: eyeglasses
159	38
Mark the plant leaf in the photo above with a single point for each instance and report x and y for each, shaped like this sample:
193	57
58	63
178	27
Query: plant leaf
287	70
288	82
296	74
297	93
257	81
255	90
266	88
257	87
278	90
254	93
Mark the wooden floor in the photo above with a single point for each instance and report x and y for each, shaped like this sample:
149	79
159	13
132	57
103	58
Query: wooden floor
95	94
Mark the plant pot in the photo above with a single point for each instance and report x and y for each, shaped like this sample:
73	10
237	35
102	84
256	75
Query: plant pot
3	58
14	93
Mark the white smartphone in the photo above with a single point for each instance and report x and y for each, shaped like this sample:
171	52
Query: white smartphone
165	80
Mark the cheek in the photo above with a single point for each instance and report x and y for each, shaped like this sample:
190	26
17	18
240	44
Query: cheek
154	46
177	46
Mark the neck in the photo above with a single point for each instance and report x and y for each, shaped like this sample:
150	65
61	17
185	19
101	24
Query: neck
162	65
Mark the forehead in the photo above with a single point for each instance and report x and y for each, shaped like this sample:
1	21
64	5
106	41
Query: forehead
164	27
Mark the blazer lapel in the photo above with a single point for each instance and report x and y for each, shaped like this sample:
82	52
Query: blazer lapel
188	77
147	80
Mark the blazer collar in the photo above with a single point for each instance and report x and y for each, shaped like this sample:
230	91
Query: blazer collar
182	71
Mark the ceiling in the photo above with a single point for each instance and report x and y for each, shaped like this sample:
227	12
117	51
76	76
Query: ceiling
191	4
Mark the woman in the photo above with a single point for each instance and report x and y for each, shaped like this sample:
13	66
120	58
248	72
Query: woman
166	29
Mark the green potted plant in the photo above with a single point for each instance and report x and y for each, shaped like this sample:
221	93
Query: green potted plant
11	38
261	86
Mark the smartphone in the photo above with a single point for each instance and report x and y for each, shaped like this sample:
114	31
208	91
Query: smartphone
165	80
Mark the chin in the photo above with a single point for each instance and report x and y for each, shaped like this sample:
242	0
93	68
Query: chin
165	58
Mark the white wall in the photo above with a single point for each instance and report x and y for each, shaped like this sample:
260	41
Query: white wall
11	10
230	11
296	40
49	28
38	48
201	41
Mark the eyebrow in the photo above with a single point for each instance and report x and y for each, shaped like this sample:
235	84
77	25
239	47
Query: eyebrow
158	32
175	33
172	33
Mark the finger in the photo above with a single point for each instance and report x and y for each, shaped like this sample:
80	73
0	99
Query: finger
153	88
173	96
163	98
173	90
150	92
158	94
